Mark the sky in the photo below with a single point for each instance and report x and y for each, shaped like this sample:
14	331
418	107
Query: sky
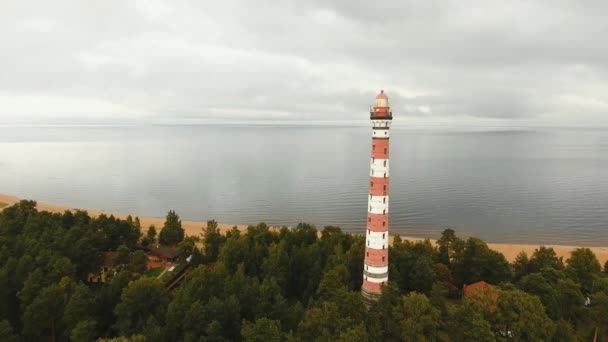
440	62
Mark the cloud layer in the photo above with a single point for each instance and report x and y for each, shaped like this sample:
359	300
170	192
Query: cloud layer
195	61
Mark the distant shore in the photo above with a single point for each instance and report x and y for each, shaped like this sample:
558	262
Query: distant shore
194	228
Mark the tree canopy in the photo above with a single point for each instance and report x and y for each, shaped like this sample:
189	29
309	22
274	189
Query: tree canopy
280	284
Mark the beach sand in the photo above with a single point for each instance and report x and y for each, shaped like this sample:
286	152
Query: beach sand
194	228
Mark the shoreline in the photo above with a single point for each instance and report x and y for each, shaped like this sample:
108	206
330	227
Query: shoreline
193	228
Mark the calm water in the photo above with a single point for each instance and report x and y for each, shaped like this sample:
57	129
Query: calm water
537	186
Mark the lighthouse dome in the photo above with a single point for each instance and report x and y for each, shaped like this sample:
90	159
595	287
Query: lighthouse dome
381	99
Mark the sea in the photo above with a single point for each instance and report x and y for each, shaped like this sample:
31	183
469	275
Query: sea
511	185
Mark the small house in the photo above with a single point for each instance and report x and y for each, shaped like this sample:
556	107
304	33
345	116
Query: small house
107	267
160	256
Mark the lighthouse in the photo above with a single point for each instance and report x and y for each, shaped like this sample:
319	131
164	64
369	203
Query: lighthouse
375	268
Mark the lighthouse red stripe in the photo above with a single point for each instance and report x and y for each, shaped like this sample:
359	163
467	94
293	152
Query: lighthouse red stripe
373	257
380	148
372	287
377	222
378	186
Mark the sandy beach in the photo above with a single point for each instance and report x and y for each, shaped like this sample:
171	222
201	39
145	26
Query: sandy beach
195	228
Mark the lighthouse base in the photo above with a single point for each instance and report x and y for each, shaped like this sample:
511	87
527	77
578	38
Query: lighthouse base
369	298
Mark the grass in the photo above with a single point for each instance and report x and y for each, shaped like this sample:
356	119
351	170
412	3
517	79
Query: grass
169	275
154	272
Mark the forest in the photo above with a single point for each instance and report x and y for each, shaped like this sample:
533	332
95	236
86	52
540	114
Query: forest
281	284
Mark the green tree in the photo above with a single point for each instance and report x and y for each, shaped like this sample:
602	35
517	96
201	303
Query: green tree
212	240
187	247
80	306
262	330
137	223
150	237
84	331
107	297
583	265
537	285
35	282
563	332
43	315
521	265
355	333
7	334
385	316
134	338
276	265
468	323
569	297
123	255
606	267
151	233
172	232
138	262
545	257
478	262
523	315
59	267
322	323
422	275
421	319
142	299
449	245
599	313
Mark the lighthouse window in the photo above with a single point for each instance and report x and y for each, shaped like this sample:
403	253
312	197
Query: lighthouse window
383	210
384	200
382	247
368	243
371	184
385	150
369	219
383	223
385	175
385	163
367	254
369	231
373	147
385	133
383	235
384	187
382	258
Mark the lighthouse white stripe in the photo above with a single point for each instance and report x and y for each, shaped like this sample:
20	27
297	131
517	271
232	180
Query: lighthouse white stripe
376	269
377	199
376	240
381	133
377	204
378	208
375	280
379	168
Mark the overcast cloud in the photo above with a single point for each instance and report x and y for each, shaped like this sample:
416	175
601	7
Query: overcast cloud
297	61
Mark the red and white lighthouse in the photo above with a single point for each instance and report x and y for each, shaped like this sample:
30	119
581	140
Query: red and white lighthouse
375	268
